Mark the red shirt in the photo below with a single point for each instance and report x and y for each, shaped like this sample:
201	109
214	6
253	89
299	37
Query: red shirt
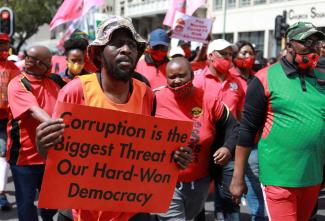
230	89
155	75
8	70
198	65
86	90
21	127
243	82
204	111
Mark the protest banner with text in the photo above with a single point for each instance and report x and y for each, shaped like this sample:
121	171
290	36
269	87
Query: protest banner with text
191	28
113	161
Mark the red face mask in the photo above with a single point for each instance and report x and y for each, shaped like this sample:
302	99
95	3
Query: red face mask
182	90
245	63
307	61
157	55
4	55
221	65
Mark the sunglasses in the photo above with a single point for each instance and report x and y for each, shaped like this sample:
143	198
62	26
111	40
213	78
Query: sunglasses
35	59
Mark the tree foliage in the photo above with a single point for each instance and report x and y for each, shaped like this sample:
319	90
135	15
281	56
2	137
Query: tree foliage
30	15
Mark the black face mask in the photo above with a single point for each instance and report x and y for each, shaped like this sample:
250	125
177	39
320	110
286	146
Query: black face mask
117	73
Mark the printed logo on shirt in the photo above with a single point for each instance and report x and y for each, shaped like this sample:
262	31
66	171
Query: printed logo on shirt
234	86
196	111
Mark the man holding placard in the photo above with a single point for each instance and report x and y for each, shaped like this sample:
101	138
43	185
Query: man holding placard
115	52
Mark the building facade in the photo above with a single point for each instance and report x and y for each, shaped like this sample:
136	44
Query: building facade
251	20
254	20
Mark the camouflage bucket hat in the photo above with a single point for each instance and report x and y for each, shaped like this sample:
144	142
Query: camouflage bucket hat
301	30
112	23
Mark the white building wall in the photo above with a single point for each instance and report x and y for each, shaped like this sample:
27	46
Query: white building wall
262	18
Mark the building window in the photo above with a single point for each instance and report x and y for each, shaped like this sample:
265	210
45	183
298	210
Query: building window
256	38
217	4
272	1
243	3
229	36
231	3
259	2
122	10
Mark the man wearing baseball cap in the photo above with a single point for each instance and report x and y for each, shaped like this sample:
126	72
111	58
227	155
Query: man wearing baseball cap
153	66
8	70
115	52
286	101
216	80
216	75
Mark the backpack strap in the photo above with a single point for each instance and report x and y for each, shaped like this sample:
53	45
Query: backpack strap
24	80
54	77
58	80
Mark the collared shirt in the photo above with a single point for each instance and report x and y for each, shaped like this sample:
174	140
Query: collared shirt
230	90
21	126
292	146
243	81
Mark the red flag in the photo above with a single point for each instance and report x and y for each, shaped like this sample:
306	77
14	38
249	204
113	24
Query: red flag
71	10
177	5
193	5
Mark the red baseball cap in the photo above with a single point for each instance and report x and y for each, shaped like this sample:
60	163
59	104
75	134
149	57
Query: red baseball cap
4	37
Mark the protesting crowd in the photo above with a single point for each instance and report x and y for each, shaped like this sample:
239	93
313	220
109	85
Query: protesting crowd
258	127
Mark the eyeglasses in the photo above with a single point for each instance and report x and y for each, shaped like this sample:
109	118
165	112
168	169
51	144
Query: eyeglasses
35	59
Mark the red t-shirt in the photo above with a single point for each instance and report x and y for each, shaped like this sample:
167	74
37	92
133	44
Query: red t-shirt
155	75
230	89
204	111
8	70
21	127
86	90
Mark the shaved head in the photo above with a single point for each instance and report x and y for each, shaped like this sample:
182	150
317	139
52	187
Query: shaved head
41	52
38	60
178	72
179	62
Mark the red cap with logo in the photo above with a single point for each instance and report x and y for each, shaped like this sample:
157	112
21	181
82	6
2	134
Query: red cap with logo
4	37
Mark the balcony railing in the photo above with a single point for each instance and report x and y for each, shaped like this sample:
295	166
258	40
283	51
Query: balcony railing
147	7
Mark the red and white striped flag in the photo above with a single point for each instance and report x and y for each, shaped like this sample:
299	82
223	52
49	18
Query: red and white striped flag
71	10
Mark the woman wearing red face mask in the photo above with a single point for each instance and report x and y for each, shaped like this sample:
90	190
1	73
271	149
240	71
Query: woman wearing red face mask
243	59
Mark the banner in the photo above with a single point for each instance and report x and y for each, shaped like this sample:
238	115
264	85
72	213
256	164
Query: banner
190	28
113	161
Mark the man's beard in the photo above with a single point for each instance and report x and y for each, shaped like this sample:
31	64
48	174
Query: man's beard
117	73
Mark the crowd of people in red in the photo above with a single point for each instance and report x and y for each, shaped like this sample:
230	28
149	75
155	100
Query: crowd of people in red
258	131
